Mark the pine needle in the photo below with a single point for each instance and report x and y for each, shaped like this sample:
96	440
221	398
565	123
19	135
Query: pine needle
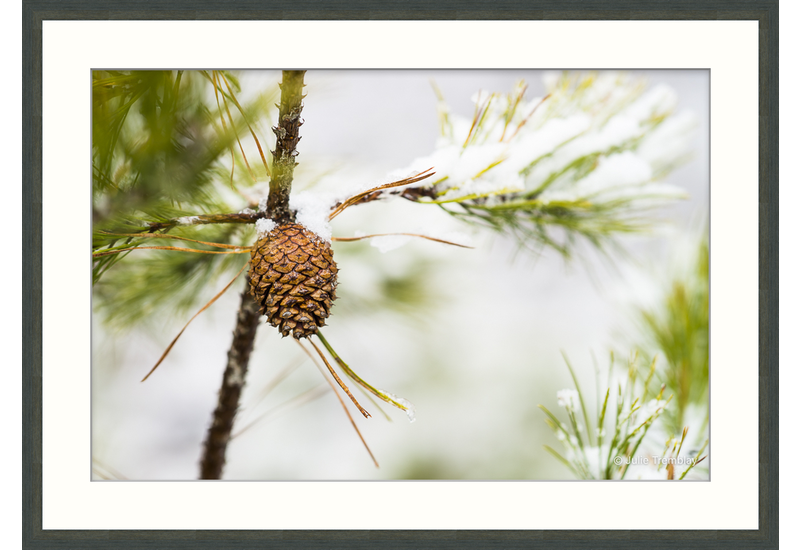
339	381
224	125
175	248
391	399
214	299
351	239
104	471
474	121
341	401
233	127
694	463
527	118
355	198
298	400
160	236
236	102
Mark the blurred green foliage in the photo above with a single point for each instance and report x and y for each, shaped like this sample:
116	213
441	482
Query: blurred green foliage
382	285
165	144
678	330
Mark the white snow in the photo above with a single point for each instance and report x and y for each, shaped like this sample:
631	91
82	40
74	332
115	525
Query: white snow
615	175
387	243
652	407
660	100
568	398
443	159
475	159
264	226
188	220
411	411
568	127
313	210
596	460
529	146
670	140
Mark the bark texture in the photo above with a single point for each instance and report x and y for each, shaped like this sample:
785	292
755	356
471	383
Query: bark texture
287	133
233	379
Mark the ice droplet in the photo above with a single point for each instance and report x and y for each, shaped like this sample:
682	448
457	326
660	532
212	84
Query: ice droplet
408	406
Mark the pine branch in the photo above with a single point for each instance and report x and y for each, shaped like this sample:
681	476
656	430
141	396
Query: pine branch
280	188
288	134
233	379
579	164
245	216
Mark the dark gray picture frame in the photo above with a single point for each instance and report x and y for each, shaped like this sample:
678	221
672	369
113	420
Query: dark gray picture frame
34	12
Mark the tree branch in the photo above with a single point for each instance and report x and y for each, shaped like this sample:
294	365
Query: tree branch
280	187
245	216
219	433
288	134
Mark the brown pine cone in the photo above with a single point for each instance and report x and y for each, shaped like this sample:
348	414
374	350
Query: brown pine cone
293	278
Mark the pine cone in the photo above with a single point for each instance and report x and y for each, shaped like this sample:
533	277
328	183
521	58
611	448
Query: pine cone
293	278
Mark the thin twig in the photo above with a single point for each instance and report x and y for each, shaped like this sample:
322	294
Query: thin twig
203	219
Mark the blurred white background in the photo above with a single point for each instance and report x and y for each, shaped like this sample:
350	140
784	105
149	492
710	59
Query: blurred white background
476	346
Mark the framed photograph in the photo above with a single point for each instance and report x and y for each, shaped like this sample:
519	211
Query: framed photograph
409	294
528	212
